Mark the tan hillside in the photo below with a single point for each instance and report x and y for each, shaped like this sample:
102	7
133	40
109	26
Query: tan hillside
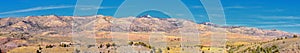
54	34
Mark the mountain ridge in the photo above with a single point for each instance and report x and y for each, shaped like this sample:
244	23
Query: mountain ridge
52	29
128	24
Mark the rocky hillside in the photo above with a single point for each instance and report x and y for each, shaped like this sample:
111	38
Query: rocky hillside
31	30
63	25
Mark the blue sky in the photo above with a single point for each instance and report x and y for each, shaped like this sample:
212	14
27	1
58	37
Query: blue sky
267	14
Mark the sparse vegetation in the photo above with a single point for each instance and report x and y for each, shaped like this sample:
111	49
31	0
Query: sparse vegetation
64	45
232	47
242	39
49	46
260	49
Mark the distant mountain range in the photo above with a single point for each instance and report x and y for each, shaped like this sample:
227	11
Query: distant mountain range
63	25
52	29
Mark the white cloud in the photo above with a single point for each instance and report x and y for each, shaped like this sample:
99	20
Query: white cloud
200	16
217	15
278	17
260	22
241	7
107	7
51	7
94	8
286	25
35	9
275	10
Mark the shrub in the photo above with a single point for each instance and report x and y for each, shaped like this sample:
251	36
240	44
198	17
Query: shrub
142	44
285	37
39	50
295	36
148	46
64	45
101	46
130	43
77	51
113	44
108	45
89	46
49	46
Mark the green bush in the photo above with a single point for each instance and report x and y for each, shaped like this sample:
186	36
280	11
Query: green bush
130	43
113	44
64	45
49	46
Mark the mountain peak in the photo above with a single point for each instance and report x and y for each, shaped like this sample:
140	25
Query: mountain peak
145	16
